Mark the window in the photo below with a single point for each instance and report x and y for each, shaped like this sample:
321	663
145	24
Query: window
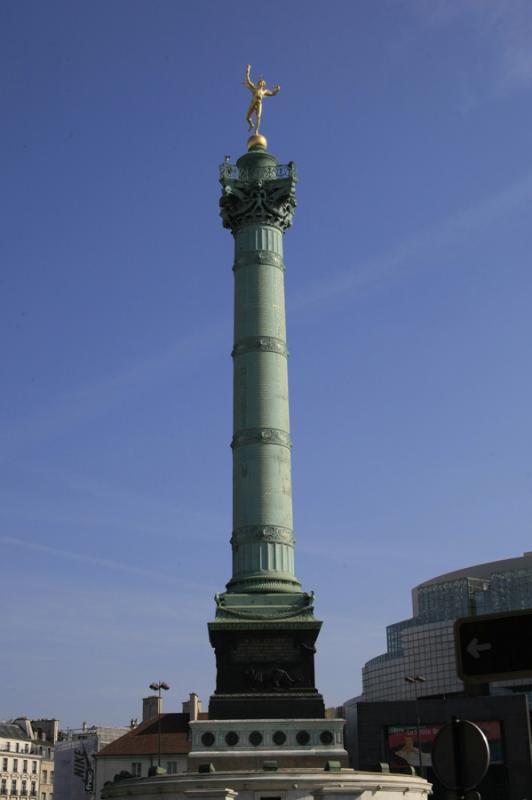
8	746
136	769
15	765
45	776
24	790
13	786
171	767
43	795
34	767
3	786
17	747
33	791
25	765
4	764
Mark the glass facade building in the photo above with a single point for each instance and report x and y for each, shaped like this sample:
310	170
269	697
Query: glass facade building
424	644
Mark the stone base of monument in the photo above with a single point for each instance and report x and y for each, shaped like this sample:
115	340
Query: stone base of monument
265	667
300	704
265	759
270	783
249	744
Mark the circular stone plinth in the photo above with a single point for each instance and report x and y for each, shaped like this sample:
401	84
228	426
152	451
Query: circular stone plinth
293	784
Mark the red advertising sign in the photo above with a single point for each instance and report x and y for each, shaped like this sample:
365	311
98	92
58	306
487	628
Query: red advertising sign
403	743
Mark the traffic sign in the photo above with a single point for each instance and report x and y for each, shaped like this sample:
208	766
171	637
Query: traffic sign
494	647
460	755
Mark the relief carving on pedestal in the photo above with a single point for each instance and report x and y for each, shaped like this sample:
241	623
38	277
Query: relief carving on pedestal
273	678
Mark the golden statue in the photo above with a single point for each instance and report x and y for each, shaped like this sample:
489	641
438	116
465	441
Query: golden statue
259	91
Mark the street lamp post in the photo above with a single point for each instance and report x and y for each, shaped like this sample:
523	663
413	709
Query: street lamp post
157	686
414	680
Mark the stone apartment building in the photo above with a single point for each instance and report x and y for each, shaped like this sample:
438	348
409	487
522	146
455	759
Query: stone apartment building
46	733
27	758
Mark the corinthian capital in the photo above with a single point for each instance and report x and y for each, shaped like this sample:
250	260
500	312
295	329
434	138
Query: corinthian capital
258	202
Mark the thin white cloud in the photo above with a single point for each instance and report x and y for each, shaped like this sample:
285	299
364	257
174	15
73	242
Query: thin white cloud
85	502
99	396
105	563
503	47
402	259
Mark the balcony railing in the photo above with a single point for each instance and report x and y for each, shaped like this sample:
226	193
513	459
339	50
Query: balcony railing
230	172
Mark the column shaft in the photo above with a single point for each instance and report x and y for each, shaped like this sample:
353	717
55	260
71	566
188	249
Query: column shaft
263	543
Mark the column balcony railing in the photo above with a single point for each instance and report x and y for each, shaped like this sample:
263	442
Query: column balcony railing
232	172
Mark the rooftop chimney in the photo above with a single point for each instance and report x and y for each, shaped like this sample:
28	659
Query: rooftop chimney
192	706
151	707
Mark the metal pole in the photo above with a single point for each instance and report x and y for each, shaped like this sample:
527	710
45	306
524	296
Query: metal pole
159	729
414	680
418	729
157	687
457	757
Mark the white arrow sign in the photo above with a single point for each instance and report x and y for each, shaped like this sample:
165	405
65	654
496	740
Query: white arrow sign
474	648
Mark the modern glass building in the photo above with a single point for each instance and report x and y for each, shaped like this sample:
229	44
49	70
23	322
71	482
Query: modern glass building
424	644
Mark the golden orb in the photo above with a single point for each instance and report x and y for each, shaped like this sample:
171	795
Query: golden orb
257	141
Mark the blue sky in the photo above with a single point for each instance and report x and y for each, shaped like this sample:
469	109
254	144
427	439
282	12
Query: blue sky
409	325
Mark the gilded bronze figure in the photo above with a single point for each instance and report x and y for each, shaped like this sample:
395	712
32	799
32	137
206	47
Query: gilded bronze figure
259	91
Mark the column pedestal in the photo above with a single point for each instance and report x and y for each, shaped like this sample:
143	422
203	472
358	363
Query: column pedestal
265	671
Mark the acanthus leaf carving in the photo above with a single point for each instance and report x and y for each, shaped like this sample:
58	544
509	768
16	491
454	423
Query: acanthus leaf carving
270	202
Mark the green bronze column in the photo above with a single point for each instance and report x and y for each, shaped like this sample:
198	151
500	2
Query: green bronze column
258	201
264	632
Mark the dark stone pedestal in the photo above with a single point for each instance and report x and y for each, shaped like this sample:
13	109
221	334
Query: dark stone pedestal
265	671
266	706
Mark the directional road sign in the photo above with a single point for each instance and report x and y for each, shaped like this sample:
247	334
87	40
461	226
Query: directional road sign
494	647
